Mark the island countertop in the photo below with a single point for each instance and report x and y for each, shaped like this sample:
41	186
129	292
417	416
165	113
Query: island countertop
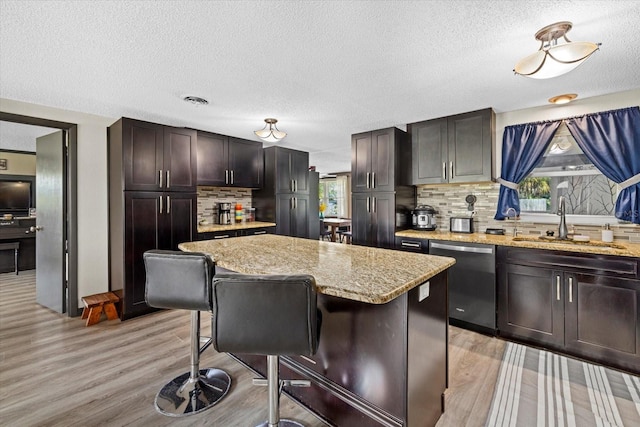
359	273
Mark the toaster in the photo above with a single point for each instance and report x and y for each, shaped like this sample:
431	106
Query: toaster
461	225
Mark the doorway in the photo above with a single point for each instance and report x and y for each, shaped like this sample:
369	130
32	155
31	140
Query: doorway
69	280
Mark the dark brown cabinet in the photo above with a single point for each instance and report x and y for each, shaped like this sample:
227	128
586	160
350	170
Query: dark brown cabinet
453	149
216	235
412	245
154	157
284	197
585	305
381	196
152	201
227	161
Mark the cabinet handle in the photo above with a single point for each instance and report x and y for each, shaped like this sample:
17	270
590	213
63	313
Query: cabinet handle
226	176
375	204
168	179
232	176
368	175
558	288
444	170
373	180
570	289
296	202
224	236
255	233
295	187
168	205
450	170
161	204
368	204
160	177
411	245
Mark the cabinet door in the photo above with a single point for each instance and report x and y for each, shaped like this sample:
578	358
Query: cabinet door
383	213
178	219
142	233
180	159
300	216
284	207
361	162
300	171
602	319
429	148
213	168
142	145
382	160
361	224
246	163
530	304
284	179
470	145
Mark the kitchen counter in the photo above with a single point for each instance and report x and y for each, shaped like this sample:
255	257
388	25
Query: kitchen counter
370	275
616	248
208	228
383	349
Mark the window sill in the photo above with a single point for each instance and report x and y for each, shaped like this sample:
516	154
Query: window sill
574	219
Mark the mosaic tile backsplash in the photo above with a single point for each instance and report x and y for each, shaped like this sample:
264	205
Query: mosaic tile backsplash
449	200
209	197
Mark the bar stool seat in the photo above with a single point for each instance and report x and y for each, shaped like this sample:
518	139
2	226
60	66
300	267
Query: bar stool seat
181	280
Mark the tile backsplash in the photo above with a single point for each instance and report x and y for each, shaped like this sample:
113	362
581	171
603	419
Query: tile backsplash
209	197
449	200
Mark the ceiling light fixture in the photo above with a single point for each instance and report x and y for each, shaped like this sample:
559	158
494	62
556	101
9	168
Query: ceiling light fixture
553	59
195	100
563	99
270	132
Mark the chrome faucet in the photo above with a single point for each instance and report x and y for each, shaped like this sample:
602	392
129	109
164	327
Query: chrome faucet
515	217
562	228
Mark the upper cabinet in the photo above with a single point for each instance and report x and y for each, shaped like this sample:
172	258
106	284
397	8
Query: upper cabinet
155	157
455	149
227	161
379	161
287	170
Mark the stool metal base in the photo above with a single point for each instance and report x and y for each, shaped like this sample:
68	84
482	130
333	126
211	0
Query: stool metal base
282	423
182	396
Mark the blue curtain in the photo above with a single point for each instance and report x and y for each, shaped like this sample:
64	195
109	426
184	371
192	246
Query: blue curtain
611	140
522	147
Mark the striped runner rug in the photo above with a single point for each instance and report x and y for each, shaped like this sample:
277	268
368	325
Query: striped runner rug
540	388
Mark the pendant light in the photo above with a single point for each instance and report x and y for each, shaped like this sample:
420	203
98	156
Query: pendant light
553	59
270	132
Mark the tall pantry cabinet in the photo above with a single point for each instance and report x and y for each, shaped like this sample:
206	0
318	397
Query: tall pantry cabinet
152	201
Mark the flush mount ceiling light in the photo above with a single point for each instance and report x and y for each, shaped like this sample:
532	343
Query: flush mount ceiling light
563	99
270	132
195	100
553	59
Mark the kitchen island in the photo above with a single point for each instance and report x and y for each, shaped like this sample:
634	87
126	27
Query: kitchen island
382	356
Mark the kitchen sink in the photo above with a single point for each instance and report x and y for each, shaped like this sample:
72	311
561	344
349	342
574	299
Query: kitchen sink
548	239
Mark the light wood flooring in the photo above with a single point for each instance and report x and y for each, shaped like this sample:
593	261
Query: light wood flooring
54	371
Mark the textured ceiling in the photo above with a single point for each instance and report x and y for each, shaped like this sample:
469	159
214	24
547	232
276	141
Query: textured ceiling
324	69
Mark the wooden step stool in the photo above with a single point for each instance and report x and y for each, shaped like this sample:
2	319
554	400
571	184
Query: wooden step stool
94	304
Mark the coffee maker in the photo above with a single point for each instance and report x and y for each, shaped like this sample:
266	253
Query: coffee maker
224	213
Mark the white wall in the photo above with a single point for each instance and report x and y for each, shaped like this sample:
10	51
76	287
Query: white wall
557	112
18	163
92	190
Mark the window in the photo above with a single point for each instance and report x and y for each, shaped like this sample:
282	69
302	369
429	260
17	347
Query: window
333	195
564	170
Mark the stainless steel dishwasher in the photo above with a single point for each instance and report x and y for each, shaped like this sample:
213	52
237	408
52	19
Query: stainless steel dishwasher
472	284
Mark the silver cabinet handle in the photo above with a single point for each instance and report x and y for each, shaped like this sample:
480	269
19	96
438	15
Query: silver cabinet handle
570	289
255	233
168	179
558	288
450	170
291	183
368	205
373	180
295	186
160	204
410	245
168	205
224	236
160	178
375	204
291	203
226	176
296	202
368	176
232	176
444	170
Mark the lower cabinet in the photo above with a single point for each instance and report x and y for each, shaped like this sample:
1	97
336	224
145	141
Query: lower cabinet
412	245
374	219
215	235
292	215
585	305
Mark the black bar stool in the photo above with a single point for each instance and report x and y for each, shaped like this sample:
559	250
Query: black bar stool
268	315
182	280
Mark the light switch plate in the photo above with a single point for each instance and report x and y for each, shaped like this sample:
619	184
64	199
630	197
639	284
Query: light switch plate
423	291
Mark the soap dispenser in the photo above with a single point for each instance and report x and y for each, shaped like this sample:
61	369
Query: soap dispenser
607	234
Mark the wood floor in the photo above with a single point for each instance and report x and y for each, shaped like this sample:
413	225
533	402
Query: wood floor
54	371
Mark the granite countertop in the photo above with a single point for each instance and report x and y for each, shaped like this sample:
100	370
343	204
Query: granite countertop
207	228
594	247
359	273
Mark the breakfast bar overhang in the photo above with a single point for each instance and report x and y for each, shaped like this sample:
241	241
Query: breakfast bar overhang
382	356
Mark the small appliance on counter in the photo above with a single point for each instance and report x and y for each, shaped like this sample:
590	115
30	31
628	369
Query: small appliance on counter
224	213
461	224
423	218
